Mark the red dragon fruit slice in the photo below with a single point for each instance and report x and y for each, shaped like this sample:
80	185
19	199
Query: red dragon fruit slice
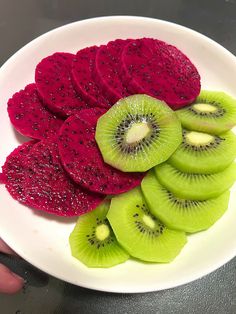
54	83
83	161
14	172
108	69
83	69
160	70
48	187
29	116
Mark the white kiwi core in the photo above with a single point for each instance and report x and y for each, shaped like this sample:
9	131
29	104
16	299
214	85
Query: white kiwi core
137	132
149	221
198	138
102	232
205	108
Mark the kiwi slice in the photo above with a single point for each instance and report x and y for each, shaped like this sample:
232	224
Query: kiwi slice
93	242
195	186
137	133
204	153
182	214
212	112
141	234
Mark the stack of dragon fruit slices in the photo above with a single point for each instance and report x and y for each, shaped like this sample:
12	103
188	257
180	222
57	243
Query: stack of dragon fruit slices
60	110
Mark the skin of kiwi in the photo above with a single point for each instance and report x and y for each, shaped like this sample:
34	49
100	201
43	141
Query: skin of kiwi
181	214
162	249
95	257
209	124
195	186
206	162
151	154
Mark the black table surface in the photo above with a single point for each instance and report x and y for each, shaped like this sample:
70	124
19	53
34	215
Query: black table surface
23	20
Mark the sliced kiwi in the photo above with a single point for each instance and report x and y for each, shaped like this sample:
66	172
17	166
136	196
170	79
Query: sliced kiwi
195	186
141	234
182	214
137	133
93	242
212	112
204	153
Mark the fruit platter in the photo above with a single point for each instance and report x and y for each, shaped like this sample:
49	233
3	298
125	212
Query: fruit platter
118	159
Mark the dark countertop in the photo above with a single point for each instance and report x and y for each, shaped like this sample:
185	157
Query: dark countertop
20	22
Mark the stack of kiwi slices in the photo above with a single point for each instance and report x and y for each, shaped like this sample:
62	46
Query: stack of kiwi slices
121	228
190	191
186	190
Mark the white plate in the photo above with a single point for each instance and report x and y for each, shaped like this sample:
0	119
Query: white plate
42	239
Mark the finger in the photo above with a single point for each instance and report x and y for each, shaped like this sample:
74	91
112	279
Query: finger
9	282
5	248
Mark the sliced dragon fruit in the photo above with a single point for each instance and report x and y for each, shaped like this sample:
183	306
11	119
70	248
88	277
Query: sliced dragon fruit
49	188
108	69
30	117
160	70
83	161
83	69
54	83
14	172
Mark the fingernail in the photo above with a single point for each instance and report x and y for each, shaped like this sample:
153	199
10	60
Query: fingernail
17	277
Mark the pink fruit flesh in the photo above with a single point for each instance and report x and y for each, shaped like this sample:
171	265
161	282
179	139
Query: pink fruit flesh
160	70
54	84
14	173
83	69
48	187
29	116
108	69
83	161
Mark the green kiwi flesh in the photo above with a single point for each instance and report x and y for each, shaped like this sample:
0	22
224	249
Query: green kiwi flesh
212	112
204	153
182	214
93	242
195	186
137	133
141	234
